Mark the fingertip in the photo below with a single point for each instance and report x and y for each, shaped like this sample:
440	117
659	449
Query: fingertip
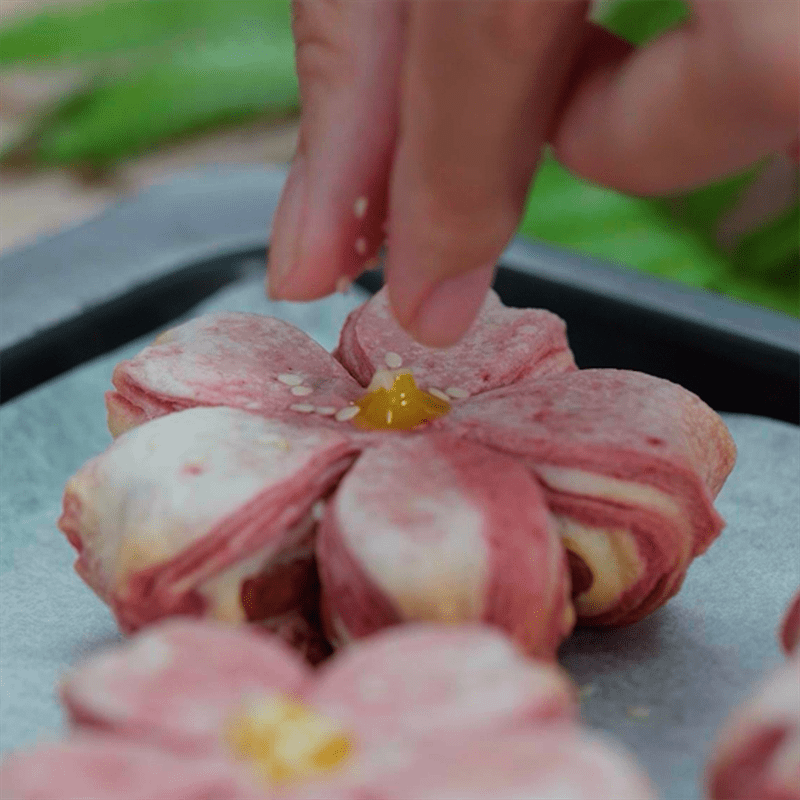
447	312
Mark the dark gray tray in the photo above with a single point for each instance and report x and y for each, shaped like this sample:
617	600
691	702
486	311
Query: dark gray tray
662	686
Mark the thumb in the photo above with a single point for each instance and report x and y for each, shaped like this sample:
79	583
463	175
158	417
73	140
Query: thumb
330	217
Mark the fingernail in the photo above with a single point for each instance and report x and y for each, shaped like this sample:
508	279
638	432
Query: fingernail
450	308
287	232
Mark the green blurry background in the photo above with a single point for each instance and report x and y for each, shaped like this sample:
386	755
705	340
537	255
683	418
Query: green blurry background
156	70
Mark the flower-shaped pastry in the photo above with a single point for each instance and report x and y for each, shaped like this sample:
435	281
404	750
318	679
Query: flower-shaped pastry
790	626
463	517
757	754
193	710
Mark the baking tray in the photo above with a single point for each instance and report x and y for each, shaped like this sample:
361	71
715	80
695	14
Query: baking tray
661	686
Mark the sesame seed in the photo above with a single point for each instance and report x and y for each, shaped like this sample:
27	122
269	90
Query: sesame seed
301	391
289	379
326	411
455	392
638	712
343	284
303	408
361	246
253	404
271	441
393	360
438	393
347	413
360	207
318	510
586	691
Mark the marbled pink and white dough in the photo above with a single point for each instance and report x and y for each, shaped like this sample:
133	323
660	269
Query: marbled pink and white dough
431	527
98	767
559	762
173	685
247	361
417	705
757	754
629	464
431	683
790	626
503	346
208	511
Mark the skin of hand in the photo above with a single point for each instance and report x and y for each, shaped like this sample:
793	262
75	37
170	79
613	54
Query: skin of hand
423	121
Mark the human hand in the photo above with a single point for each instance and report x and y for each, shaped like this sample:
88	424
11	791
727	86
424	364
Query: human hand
424	121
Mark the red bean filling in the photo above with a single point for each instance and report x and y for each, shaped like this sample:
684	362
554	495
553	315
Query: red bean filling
277	590
582	578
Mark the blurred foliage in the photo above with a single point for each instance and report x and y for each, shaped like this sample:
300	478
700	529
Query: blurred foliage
157	69
673	238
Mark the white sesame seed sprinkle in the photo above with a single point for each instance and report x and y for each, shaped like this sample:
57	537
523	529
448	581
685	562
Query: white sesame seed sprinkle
253	404
343	284
301	391
393	360
361	246
302	408
456	393
278	443
318	511
326	411
438	393
289	379
360	207
347	413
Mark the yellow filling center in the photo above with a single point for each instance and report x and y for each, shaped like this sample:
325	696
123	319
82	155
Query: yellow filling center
393	400
285	741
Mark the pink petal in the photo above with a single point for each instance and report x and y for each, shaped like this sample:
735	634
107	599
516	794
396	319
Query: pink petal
100	768
790	626
504	346
630	465
429	528
175	684
227	359
207	511
758	752
434	682
552	762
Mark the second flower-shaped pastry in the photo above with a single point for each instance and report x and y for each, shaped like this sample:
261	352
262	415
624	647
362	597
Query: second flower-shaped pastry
191	711
492	481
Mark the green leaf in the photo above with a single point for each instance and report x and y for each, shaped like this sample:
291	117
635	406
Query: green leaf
90	31
703	208
199	86
640	233
774	249
639	21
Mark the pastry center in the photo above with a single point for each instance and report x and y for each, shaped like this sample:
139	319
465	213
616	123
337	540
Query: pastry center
285	741
393	400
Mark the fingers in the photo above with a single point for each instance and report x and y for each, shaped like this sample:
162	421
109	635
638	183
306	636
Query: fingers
480	81
330	217
700	102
